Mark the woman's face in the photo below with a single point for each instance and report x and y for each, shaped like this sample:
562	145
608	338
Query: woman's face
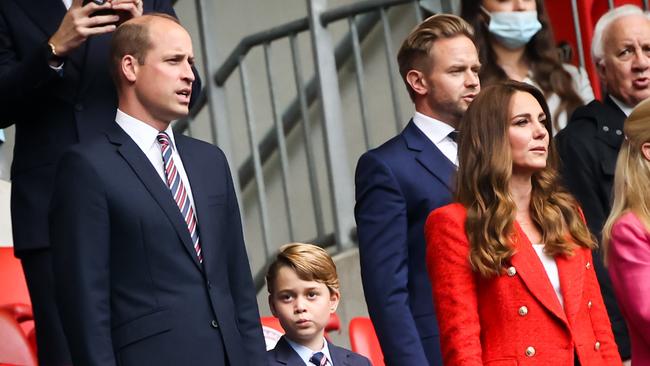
527	134
509	5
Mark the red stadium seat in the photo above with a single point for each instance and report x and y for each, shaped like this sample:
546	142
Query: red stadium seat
14	347
14	297
363	340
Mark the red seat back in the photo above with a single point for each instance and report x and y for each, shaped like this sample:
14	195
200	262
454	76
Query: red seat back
363	340
13	288
14	347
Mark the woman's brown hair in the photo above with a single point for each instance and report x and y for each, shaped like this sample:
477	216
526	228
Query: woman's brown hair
482	185
540	52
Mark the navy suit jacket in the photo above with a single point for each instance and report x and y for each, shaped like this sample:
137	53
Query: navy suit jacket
51	112
397	185
129	286
283	354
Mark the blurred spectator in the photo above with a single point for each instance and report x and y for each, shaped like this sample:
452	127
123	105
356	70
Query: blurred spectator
591	142
516	42
626	235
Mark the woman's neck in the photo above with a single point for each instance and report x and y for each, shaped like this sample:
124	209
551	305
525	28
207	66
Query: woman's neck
513	62
520	190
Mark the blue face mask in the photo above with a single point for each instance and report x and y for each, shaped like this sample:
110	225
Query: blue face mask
514	29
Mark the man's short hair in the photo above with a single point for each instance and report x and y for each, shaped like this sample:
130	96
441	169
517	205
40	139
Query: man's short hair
415	50
597	46
132	38
310	262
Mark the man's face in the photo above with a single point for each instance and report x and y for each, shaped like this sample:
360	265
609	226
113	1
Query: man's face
452	80
163	83
625	67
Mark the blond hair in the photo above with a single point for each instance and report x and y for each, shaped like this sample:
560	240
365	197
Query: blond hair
632	175
416	48
310	262
482	185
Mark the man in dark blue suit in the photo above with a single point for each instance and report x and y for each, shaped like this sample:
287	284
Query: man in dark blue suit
400	182
56	89
149	260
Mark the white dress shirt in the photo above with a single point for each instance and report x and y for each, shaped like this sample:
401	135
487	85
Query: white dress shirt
438	132
145	136
306	353
624	107
67	3
551	270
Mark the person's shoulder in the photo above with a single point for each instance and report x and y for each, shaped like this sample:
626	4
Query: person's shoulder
352	358
453	212
584	120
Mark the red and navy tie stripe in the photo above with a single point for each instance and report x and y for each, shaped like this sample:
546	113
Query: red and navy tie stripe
179	192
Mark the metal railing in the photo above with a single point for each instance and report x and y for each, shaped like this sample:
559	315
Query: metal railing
321	89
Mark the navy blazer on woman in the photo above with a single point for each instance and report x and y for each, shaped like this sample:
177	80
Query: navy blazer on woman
129	286
283	354
397	185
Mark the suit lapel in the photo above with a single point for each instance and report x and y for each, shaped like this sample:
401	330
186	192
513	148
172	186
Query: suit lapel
284	354
338	356
428	155
532	272
571	271
194	169
151	180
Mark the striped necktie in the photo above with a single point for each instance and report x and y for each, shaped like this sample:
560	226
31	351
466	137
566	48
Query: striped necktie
318	359
178	191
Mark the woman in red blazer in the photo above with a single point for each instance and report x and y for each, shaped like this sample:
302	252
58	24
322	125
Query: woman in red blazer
510	263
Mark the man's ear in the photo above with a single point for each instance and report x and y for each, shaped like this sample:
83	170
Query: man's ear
417	82
335	297
645	150
600	69
129	68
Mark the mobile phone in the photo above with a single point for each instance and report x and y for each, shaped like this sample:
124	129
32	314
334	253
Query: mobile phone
99	12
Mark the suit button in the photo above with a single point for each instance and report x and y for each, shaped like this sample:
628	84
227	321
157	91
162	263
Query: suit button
605	128
597	346
588	265
209	284
511	271
523	311
530	351
589	304
78	107
214	324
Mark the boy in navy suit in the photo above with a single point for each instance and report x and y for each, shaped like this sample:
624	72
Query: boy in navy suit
303	292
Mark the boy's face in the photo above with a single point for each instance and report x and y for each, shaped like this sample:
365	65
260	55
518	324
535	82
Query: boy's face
303	307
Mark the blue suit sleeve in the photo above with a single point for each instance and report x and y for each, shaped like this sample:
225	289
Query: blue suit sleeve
382	227
241	284
80	234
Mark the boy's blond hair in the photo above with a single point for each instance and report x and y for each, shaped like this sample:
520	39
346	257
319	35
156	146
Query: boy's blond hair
310	262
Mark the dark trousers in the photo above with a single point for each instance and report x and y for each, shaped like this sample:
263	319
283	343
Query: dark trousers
50	339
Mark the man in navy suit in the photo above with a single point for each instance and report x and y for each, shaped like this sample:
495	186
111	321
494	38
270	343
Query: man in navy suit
56	89
400	182
149	259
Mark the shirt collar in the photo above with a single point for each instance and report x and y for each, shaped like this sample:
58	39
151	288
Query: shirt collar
434	129
143	134
305	353
624	107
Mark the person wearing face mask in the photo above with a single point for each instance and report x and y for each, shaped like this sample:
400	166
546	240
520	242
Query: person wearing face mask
515	42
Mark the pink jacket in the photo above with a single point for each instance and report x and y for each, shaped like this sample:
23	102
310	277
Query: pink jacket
629	268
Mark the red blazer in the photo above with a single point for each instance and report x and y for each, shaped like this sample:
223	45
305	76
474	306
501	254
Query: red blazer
515	318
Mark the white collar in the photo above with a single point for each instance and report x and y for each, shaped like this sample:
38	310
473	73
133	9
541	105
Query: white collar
305	353
143	134
624	107
434	129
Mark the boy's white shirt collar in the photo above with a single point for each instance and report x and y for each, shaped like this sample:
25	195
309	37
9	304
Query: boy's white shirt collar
305	353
